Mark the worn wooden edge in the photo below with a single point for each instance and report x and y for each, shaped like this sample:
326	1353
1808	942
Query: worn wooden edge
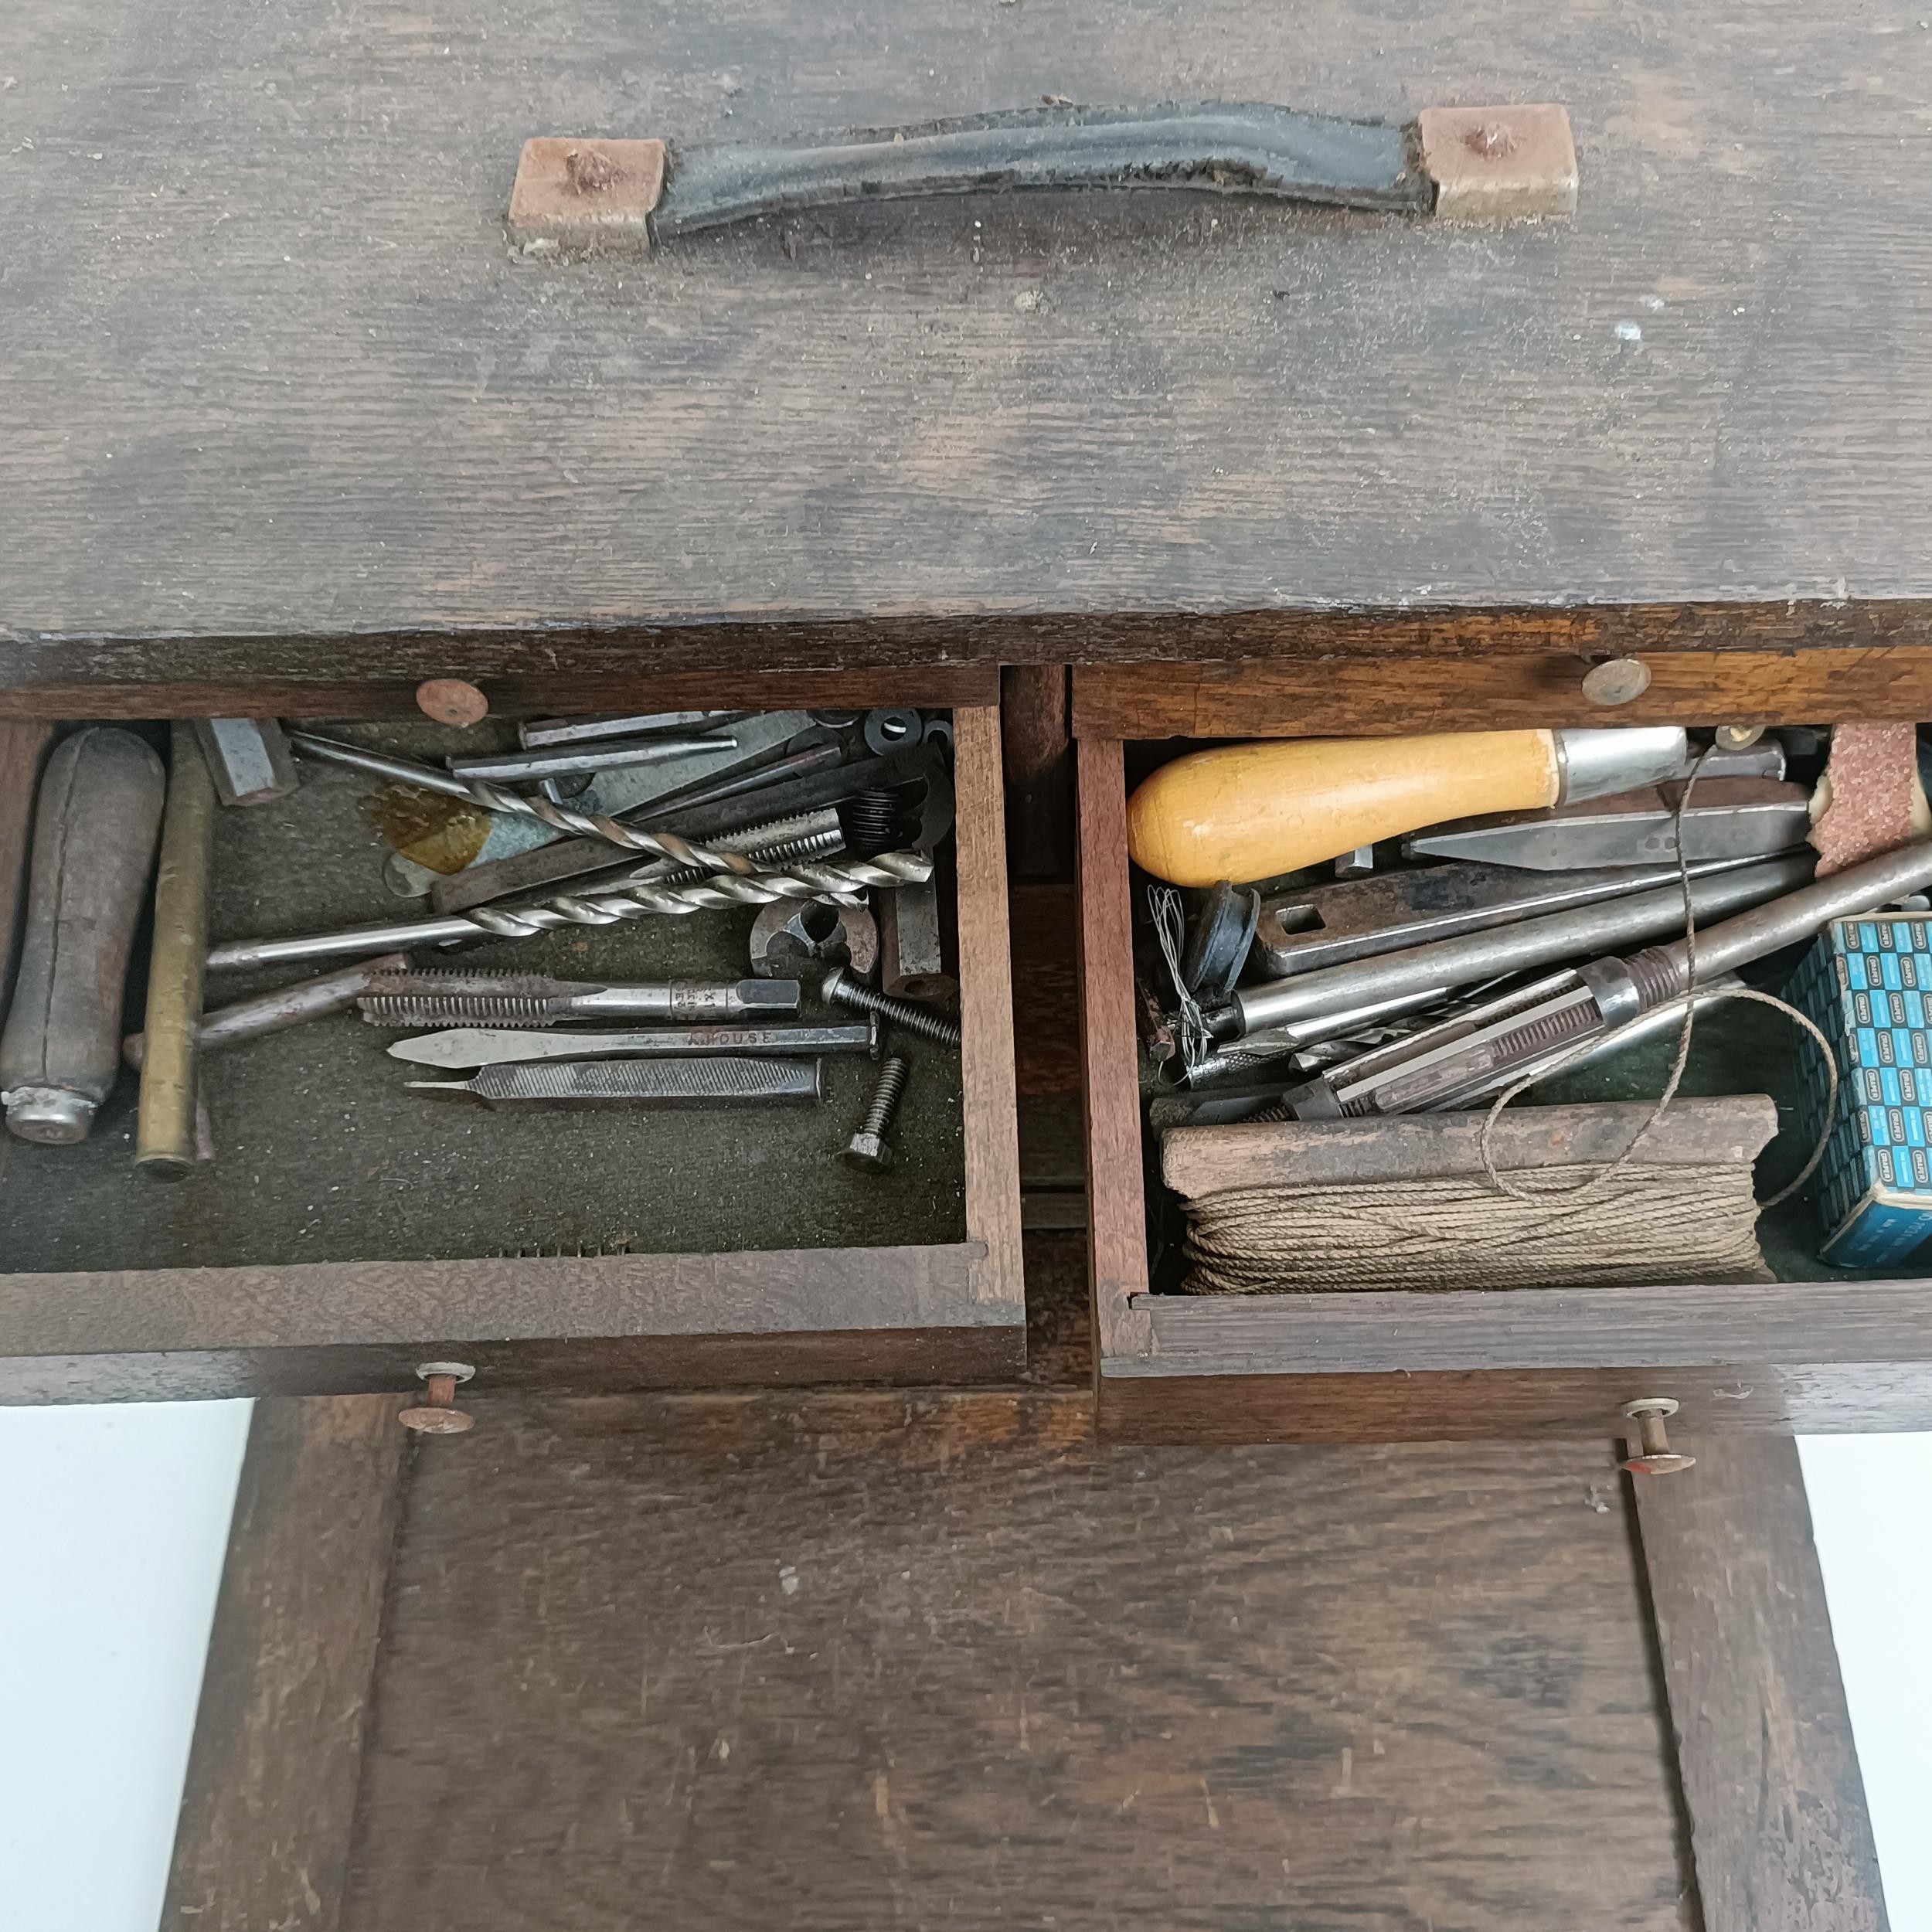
1365	693
1781	1836
964	1353
531	664
268	1809
240	686
1200	1161
1395	1330
831	1314
986	1006
1503	1403
22	746
1116	1201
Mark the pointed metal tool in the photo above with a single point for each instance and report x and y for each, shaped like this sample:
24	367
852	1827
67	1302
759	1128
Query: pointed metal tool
723	1080
1727	819
492	1046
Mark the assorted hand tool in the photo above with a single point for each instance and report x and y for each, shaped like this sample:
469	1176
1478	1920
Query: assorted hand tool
818	824
499	1046
96	818
1474	939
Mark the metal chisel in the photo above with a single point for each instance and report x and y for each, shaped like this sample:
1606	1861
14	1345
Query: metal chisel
492	1046
724	1080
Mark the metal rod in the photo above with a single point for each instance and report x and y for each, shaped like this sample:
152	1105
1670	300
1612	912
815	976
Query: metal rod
540	732
833	883
1578	934
165	1140
595	824
286	1006
570	761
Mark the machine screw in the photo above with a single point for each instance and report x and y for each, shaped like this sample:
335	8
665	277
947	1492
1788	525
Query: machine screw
1655	1456
438	1414
868	1149
842	990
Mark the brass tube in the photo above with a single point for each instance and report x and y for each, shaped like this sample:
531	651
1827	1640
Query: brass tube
165	1144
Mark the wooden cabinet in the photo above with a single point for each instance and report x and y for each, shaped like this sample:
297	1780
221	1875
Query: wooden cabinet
327	1252
1842	1353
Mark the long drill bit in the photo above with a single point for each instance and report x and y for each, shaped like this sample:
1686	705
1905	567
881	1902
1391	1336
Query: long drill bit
835	882
478	791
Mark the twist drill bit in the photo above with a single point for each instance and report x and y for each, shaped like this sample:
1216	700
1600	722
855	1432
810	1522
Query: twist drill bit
837	882
480	791
454	997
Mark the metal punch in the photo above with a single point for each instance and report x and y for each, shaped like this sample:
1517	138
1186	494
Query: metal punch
496	1046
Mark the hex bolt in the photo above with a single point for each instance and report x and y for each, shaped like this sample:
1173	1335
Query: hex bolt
868	1148
843	989
438	1414
1655	1456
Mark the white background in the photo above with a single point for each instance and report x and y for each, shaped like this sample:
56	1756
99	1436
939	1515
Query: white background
113	1522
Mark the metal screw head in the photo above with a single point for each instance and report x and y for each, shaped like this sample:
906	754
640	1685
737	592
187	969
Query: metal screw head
870	1151
1617	680
1666	1462
452	701
1649	1405
430	1421
1738	737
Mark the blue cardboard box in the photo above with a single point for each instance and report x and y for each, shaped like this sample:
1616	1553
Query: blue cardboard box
1867	983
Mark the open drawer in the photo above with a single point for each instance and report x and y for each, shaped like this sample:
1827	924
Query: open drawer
1815	1350
350	1230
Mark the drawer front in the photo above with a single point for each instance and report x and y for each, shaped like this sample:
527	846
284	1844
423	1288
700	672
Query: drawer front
379	678
1780	1356
783	1311
1367	694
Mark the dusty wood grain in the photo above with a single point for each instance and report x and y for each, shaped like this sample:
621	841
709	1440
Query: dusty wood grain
1274	1403
900	1315
1779	1829
1117	1212
262	678
986	1009
1045	987
1039	769
1841	1321
1196	1161
266	1813
1341	695
939	1661
242	407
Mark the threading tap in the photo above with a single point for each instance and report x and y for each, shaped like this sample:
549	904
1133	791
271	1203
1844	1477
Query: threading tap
868	1148
843	989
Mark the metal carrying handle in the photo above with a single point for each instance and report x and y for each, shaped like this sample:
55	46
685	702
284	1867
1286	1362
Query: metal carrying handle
1480	164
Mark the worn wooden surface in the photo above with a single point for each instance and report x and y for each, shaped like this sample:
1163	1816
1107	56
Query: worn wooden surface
1337	695
870	1662
1034	728
263	1838
1116	1200
269	372
1779	1829
992	1130
917	1315
20	747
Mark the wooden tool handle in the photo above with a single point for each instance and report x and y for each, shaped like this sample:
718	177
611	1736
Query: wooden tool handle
1249	812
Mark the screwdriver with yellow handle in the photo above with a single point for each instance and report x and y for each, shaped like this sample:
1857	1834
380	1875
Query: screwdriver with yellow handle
1243	812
